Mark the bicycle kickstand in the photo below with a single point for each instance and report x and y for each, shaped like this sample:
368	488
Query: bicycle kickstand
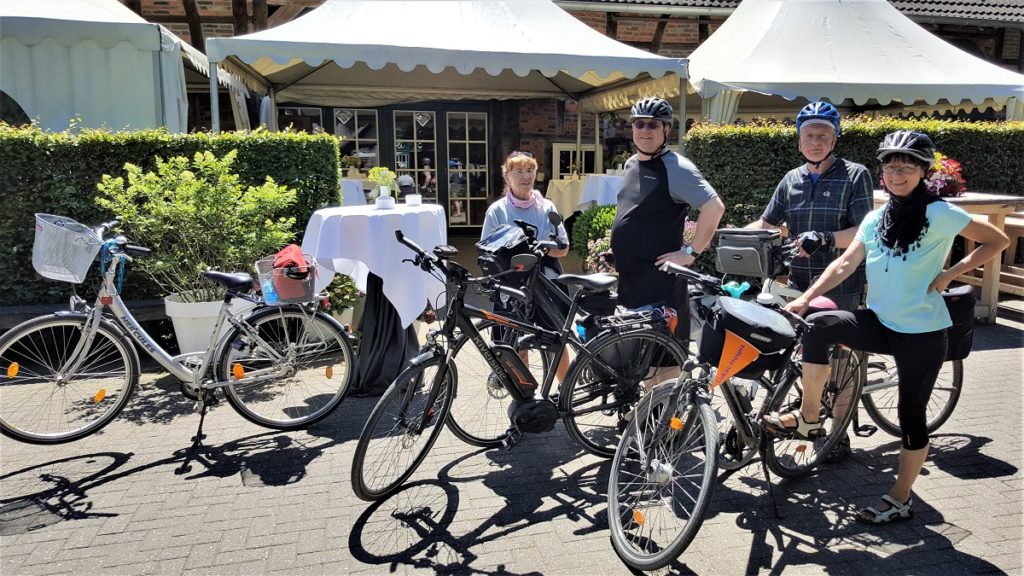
206	398
768	481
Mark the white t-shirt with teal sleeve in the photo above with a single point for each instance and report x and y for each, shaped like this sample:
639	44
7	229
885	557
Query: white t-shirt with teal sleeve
898	285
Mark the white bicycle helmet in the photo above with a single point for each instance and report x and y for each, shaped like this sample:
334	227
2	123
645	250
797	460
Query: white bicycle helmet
914	144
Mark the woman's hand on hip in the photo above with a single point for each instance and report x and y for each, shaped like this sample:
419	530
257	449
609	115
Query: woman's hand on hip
941	282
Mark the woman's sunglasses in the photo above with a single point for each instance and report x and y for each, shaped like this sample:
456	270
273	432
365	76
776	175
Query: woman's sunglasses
516	153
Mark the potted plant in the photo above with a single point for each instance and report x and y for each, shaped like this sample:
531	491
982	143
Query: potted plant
196	215
344	301
385	181
352	163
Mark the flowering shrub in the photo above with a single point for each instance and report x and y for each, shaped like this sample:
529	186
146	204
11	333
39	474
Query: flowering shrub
946	180
596	250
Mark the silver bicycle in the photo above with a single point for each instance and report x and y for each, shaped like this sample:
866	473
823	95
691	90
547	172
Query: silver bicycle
67	375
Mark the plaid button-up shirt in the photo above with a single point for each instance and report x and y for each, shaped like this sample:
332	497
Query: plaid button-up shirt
840	199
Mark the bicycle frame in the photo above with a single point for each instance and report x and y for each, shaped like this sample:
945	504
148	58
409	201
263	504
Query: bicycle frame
109	297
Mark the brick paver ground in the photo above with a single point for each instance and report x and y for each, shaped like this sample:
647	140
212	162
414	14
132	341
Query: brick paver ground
266	502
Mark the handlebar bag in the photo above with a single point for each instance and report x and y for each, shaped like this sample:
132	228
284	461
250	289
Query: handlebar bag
743	252
765	329
960	336
495	252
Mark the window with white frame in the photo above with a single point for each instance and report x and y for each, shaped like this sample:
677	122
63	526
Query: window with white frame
358	139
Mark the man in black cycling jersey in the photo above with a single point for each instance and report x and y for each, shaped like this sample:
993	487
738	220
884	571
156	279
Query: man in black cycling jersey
822	203
658	189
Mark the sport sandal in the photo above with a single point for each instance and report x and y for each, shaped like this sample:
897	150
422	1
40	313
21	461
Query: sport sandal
896	511
803	430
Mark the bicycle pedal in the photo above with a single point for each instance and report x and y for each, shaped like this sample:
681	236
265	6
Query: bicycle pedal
512	437
864	430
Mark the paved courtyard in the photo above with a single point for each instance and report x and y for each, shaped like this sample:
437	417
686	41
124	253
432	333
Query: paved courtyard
128	501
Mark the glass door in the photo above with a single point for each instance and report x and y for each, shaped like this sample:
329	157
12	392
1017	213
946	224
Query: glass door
468	178
416	150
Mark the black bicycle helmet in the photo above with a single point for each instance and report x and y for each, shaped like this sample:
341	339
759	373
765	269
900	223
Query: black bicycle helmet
652	107
820	111
914	144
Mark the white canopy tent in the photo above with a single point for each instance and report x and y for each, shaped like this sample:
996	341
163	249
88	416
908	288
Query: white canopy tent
839	49
343	53
97	60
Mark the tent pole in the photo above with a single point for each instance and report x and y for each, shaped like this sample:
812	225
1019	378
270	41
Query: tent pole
214	100
598	148
682	116
579	137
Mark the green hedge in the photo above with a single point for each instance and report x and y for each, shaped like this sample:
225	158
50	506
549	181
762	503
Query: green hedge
591	224
745	163
57	173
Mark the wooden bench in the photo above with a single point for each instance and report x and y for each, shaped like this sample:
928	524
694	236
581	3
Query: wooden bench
1011	275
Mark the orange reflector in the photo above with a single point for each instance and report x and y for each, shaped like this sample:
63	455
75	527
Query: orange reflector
12	370
801	449
675	423
100	395
638	517
330	372
238	371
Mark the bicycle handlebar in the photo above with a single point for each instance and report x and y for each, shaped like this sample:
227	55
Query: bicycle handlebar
710	282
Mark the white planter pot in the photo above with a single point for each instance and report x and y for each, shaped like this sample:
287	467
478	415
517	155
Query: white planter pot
345	318
414	199
193	322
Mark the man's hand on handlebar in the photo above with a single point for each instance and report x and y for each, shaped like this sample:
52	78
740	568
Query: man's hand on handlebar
679	257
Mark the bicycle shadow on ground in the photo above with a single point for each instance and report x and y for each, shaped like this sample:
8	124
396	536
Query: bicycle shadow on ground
416	527
157	401
44	494
816	524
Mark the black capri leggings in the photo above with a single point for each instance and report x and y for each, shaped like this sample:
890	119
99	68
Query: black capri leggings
918	360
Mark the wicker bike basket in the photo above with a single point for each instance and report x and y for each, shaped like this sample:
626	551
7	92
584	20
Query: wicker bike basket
63	249
289	290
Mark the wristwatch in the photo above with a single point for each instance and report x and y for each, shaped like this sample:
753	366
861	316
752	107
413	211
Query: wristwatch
689	250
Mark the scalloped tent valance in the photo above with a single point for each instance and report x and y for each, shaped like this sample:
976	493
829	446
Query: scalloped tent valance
838	49
366	53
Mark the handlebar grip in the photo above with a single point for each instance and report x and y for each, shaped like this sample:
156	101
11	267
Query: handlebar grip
512	292
400	236
558	241
107	226
137	250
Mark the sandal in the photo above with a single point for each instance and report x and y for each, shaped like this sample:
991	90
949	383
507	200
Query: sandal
896	511
803	430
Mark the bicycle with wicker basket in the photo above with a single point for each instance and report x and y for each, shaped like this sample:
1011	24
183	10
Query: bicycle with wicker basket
67	375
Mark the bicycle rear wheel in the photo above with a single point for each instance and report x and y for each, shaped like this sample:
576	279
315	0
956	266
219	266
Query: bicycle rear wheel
881	394
791	457
401	430
657	505
479	414
310	382
598	396
40	403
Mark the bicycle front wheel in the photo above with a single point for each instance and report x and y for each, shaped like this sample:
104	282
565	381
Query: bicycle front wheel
41	402
600	390
662	479
791	457
479	414
881	394
309	381
401	430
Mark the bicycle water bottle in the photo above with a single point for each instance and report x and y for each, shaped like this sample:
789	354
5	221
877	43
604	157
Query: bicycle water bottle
269	293
581	332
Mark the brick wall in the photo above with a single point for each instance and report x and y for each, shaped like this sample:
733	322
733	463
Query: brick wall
596	20
221	8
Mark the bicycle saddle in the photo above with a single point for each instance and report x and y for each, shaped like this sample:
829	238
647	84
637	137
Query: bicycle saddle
236	281
596	282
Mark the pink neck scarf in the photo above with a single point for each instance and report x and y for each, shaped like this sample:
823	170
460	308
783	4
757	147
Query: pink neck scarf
534	199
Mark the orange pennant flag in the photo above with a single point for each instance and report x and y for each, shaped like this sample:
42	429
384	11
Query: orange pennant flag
737	354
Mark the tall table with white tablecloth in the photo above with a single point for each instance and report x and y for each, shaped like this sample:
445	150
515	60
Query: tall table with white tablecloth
359	241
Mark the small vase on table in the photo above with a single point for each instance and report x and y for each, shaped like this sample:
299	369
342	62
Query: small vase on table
384	199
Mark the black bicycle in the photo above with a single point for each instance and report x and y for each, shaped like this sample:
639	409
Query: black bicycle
613	367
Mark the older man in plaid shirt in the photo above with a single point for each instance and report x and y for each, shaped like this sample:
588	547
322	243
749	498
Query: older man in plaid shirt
822	203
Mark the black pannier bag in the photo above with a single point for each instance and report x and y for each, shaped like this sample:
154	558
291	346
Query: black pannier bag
764	328
743	252
495	252
960	336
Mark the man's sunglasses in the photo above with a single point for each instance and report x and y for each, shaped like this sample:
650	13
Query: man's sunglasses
648	125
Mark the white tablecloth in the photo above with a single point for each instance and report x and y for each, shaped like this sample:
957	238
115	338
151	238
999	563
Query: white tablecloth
356	240
352	192
565	193
600	190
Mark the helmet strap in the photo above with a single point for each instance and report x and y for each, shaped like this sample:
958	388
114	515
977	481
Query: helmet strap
819	162
658	152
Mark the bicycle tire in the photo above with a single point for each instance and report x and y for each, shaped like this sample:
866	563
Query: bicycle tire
595	402
40	406
311	382
479	413
389	449
646	505
790	457
881	404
